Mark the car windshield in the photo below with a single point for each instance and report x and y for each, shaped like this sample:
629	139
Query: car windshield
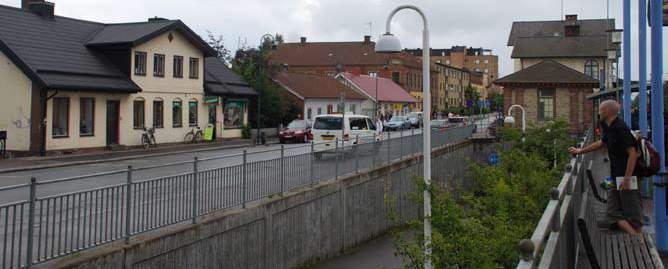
438	123
297	124
456	119
397	118
327	123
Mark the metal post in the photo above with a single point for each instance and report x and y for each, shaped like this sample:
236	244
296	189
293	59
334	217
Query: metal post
195	171
312	157
128	204
282	174
657	123
389	135
243	180
413	140
401	144
642	66
642	79
627	62
31	220
258	83
357	154
336	157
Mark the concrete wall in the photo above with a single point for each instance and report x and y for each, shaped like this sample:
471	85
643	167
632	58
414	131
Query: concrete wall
286	232
15	106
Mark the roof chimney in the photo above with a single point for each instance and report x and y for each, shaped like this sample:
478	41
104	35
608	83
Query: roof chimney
302	40
41	7
367	39
571	25
155	19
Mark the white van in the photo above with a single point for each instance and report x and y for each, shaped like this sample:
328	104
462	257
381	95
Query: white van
357	129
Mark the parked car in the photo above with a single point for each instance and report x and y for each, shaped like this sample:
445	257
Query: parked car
457	121
348	129
296	131
440	125
398	123
415	118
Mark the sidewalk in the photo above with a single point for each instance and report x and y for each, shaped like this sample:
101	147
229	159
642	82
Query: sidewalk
99	156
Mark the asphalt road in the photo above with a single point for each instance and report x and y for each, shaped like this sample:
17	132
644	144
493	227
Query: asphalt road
85	212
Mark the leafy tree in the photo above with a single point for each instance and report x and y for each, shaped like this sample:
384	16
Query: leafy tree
276	108
218	44
500	205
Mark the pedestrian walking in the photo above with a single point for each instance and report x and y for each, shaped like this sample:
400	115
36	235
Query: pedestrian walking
624	206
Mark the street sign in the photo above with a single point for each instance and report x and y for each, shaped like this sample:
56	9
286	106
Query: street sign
493	158
208	132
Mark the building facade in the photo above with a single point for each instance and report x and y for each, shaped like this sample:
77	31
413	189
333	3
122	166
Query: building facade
454	82
557	64
109	80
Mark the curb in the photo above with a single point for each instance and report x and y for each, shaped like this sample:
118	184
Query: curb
74	163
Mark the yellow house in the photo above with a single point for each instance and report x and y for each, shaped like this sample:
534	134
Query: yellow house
71	84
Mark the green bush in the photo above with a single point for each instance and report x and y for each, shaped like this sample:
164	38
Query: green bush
246	132
500	206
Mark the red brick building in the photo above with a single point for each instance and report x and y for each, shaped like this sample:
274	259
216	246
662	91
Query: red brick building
549	91
355	57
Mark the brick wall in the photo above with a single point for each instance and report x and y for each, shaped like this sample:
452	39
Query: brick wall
571	105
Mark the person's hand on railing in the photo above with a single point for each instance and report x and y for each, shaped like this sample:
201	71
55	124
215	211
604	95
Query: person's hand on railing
574	150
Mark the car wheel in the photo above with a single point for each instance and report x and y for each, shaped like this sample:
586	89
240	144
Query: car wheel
281	141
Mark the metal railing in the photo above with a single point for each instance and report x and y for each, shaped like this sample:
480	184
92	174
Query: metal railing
553	243
45	225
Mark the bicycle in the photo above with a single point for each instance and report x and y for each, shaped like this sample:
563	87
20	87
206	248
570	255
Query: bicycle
194	136
148	138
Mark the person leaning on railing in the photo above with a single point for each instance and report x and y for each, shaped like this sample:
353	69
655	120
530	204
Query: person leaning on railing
624	206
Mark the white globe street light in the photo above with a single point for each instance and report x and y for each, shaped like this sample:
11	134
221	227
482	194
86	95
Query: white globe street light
388	43
511	120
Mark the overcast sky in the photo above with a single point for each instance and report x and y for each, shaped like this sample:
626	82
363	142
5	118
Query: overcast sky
477	23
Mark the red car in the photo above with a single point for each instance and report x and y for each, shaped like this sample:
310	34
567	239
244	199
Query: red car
297	131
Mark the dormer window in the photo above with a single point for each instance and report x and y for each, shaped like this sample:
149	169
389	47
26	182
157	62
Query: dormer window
194	68
140	63
158	65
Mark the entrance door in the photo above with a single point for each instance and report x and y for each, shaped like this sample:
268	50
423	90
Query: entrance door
113	109
213	118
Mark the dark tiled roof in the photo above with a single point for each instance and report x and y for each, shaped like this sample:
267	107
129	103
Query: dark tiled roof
556	28
127	32
133	34
547	72
315	86
54	52
332	53
220	80
31	41
572	46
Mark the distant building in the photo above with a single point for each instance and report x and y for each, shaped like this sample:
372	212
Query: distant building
475	59
319	94
455	82
355	57
557	64
391	98
479	84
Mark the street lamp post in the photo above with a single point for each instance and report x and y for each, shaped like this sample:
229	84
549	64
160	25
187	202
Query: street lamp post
511	120
258	139
388	43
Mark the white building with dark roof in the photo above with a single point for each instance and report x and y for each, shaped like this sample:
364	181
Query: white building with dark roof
71	84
